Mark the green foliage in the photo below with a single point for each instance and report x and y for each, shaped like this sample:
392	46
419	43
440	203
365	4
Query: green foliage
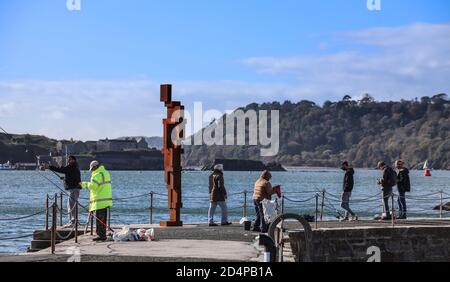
363	132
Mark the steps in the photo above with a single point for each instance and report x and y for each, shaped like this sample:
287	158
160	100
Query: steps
42	238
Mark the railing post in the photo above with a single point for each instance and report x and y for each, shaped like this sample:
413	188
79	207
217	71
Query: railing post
61	209
440	207
109	220
151	207
76	222
53	232
47	212
322	204
244	212
282	204
317	209
392	210
92	222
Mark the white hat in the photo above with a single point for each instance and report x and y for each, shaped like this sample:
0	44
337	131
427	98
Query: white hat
218	167
93	164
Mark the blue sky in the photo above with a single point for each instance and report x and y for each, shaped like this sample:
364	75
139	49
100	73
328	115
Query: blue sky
55	64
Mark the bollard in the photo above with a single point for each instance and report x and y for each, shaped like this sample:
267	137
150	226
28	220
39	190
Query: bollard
441	206
76	223
46	213
151	207
244	212
61	209
53	232
322	204
392	210
317	209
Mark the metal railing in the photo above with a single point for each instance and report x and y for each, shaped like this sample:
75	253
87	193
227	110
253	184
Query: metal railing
319	201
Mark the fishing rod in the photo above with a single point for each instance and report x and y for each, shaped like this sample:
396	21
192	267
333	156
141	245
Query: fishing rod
59	188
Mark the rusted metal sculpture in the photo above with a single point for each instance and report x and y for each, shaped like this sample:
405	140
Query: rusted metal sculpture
172	150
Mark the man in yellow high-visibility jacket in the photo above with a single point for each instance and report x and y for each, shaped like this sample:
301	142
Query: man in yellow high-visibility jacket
100	197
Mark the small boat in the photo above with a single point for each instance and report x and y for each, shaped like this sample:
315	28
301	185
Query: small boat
6	166
427	170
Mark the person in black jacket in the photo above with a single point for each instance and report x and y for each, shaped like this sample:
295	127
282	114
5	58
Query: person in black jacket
72	179
403	186
387	182
347	191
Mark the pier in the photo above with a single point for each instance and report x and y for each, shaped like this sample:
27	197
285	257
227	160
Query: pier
409	240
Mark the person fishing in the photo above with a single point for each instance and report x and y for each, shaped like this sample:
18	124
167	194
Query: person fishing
72	179
100	198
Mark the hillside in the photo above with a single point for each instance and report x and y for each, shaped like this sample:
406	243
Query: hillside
363	131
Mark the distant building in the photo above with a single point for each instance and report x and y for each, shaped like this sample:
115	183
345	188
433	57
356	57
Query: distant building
91	146
76	148
141	143
116	145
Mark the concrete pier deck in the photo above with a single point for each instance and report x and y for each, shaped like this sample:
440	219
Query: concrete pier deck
201	243
190	243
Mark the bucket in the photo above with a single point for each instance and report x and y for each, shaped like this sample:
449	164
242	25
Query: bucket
247	225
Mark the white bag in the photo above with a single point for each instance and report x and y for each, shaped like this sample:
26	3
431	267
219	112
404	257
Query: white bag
123	235
270	209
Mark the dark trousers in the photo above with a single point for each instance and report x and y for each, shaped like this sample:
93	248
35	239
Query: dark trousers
260	223
101	222
387	193
402	203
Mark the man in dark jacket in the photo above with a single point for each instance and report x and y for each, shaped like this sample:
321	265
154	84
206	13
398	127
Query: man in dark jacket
347	191
403	186
387	182
217	196
72	179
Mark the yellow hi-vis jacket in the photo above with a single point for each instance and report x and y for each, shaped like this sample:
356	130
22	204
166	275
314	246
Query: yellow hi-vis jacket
100	189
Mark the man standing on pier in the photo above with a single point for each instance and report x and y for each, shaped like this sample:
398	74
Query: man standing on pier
387	182
403	186
100	197
72	179
347	191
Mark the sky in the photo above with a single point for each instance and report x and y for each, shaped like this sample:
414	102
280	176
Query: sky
95	72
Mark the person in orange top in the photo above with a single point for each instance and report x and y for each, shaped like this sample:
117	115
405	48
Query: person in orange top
262	190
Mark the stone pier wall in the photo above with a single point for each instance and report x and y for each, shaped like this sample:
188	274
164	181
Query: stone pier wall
399	244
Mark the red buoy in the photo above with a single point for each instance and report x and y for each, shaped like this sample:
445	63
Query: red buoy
427	173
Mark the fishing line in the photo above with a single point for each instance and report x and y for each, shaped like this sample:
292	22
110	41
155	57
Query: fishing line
57	186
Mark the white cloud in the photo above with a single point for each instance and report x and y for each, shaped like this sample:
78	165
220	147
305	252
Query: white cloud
390	63
7	108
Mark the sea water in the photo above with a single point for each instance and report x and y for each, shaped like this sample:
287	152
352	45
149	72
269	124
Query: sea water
23	193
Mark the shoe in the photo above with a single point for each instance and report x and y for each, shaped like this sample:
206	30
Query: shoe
402	217
256	230
354	218
212	225
99	239
343	219
226	223
385	218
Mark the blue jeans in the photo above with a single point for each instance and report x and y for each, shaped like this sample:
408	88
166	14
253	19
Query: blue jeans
212	211
345	204
402	203
260	223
